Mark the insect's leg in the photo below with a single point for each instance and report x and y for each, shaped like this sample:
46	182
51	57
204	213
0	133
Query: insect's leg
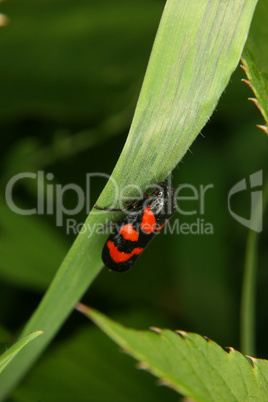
132	204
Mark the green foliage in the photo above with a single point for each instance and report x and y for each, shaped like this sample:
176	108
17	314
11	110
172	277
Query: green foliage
255	61
182	86
66	369
9	354
67	95
195	367
255	65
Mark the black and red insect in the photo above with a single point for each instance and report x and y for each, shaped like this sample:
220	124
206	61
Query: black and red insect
133	233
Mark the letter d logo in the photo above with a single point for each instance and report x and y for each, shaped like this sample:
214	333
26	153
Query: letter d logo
255	220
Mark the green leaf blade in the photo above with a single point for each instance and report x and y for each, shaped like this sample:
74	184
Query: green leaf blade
187	72
190	364
261	370
9	354
255	60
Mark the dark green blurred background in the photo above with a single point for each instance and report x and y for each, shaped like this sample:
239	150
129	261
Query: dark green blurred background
70	74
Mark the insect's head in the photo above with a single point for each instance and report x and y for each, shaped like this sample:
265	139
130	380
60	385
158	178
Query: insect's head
163	199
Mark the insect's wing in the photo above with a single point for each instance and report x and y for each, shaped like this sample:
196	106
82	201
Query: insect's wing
118	260
124	244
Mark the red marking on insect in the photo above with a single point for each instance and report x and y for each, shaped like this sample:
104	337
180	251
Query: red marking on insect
120	256
129	233
158	230
148	223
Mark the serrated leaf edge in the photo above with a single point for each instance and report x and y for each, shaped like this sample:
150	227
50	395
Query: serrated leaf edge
247	81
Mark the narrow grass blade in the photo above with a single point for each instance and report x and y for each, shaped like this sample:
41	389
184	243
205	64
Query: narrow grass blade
9	354
197	47
248	297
